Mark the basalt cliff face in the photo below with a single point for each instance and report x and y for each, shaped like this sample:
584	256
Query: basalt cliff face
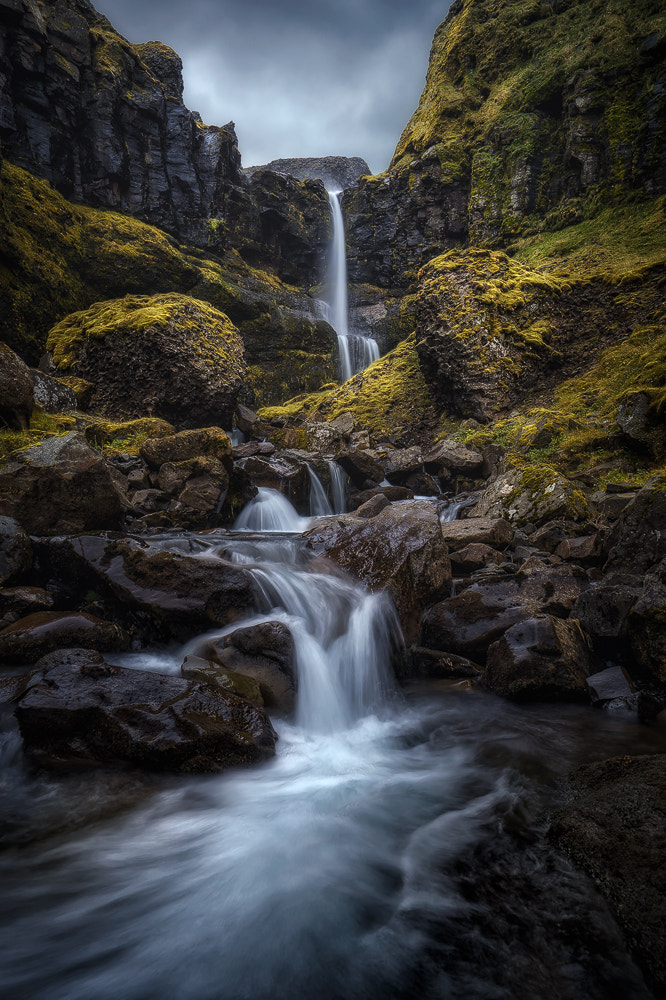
535	114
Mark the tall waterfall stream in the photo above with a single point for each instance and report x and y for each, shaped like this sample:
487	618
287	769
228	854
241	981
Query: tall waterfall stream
394	848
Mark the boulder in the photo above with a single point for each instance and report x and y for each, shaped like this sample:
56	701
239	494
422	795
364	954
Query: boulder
361	467
61	485
392	493
540	657
30	638
610	684
21	601
645	625
452	457
401	463
373	506
263	653
614	829
638	539
603	612
287	475
636	418
401	549
533	495
437	665
211	442
246	419
492	531
15	550
195	668
473	557
163	592
469	622
186	358
586	549
93	712
16	390
52	395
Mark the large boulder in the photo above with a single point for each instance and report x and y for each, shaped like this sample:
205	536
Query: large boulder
52	395
469	622
645	625
493	531
16	390
450	456
186	358
151	585
638	539
61	485
401	549
15	550
614	828
541	657
265	654
211	442
533	495
32	637
93	712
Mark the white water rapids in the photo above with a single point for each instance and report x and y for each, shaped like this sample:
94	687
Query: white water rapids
362	863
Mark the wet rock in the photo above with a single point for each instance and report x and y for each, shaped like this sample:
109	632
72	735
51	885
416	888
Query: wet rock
611	684
540	657
211	442
587	549
638	539
451	456
97	713
15	549
373	506
289	476
436	664
52	395
363	470
206	493
423	485
148	501
269	639
401	549
474	556
16	390
645	625
615	830
603	611
251	448
22	601
195	668
495	532
61	485
392	493
343	425
469	622
163	593
533	496
401	463
551	534
246	419
30	638
264	653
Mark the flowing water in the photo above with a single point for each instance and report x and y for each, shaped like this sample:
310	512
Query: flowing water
394	848
356	350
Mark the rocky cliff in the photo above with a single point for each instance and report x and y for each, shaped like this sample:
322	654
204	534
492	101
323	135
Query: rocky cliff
335	171
534	115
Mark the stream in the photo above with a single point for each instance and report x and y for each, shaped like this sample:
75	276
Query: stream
395	847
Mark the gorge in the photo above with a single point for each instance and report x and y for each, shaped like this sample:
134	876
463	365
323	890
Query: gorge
332	526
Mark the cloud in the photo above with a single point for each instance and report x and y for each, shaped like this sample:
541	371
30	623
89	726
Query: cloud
298	79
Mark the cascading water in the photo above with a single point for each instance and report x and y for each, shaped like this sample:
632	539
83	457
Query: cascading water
393	848
319	502
356	351
338	486
269	511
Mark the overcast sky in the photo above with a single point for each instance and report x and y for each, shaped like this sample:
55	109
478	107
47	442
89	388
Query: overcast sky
298	77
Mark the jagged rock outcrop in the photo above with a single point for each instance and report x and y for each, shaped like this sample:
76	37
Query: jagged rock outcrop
532	115
336	172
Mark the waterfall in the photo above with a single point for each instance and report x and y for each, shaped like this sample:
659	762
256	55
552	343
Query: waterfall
356	351
269	511
338	487
319	503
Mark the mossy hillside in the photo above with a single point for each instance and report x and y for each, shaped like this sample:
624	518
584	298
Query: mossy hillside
388	398
57	258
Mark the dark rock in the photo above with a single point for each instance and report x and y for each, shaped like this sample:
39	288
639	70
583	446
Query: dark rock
336	172
587	549
401	549
635	419
495	532
211	442
541	657
22	601
30	638
615	830
16	390
611	505
269	639
436	664
534	495
373	506
603	612
450	456
401	463
423	485
264	653
289	476
474	556
363	470
52	395
392	493
61	485
638	539
15	549
195	668
645	625
246	419
97	713
611	684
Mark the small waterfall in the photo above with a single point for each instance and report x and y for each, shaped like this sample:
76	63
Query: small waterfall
453	508
338	487
319	503
356	351
269	511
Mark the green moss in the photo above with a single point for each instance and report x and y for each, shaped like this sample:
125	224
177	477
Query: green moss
114	438
42	425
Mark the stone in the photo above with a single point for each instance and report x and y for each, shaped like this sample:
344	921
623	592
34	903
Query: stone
211	442
264	653
373	506
246	419
401	550
645	625
638	539
15	550
30	638
474	556
451	456
603	612
52	395
22	601
16	390
195	668
435	664
343	425
392	493
611	505
634	418
614	829
610	684
533	496
289	476
61	485
97	713
401	463
494	532
363	470
587	549
540	657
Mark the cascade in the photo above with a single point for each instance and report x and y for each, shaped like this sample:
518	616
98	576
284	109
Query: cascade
319	502
269	511
356	351
338	486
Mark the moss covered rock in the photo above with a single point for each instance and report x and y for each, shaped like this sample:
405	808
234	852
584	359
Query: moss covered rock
186	358
533	495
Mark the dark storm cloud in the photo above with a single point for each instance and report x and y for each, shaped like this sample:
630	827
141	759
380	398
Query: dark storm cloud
298	78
